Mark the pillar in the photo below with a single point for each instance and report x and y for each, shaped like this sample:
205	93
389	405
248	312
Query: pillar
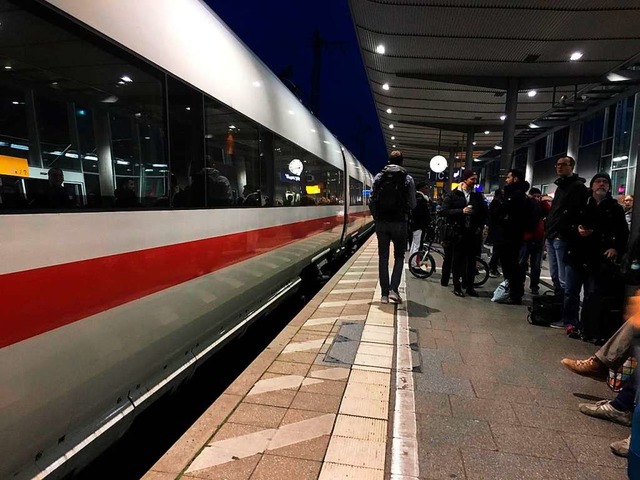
531	155
469	152
509	127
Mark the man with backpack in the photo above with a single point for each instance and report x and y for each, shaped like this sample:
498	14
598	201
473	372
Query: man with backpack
393	196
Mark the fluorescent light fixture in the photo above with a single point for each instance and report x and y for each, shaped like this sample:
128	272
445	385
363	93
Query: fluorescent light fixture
93	158
122	162
616	77
71	155
19	147
497	147
620	159
159	165
231	127
15	103
380	49
385	86
487	132
393	138
477	159
389	110
575	56
473	143
148	169
533	125
503	117
8	67
110	99
391	125
188	109
532	93
147	138
121	82
126	78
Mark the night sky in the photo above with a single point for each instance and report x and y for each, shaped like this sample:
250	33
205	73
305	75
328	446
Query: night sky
281	34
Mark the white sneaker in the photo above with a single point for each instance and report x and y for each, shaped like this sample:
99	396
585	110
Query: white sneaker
395	297
621	447
605	411
384	299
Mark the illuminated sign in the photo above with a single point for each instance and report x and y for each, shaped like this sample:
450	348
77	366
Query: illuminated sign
288	177
18	167
312	189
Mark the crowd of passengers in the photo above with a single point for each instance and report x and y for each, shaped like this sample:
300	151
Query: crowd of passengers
584	232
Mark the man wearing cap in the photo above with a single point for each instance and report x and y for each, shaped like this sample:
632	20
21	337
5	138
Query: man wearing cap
466	213
596	235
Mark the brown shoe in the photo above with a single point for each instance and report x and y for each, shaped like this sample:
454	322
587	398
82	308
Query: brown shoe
591	367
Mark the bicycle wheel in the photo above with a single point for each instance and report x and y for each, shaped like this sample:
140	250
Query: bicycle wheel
482	273
422	264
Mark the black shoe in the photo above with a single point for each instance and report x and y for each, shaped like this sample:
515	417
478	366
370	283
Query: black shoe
457	292
444	284
535	291
512	301
471	292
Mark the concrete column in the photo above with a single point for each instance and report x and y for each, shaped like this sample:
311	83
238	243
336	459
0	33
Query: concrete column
102	130
452	162
531	155
574	141
469	152
509	127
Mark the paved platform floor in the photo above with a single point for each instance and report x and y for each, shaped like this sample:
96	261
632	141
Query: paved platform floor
347	391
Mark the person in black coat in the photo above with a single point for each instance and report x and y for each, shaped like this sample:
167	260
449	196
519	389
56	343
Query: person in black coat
465	211
596	235
494	236
513	217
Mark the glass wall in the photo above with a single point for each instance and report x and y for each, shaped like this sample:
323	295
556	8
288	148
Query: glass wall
85	125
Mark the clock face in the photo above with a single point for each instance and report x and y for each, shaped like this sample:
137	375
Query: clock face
438	164
296	166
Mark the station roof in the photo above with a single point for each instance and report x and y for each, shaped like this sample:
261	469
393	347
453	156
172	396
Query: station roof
447	65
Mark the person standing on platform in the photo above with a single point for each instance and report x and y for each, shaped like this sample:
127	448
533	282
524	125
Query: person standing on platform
420	217
466	213
494	236
570	194
393	196
531	251
514	216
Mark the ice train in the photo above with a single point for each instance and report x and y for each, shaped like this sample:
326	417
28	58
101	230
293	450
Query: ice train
159	189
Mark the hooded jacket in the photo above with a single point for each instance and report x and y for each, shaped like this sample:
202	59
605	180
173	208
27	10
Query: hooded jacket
570	195
514	212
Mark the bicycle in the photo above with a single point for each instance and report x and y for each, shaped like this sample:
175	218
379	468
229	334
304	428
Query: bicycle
423	265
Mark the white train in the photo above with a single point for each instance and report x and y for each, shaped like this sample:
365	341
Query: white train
159	189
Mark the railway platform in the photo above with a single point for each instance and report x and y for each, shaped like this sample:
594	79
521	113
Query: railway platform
438	387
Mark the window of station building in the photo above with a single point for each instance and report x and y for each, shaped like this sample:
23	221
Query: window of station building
81	105
560	141
232	154
541	149
356	196
622	133
592	130
302	179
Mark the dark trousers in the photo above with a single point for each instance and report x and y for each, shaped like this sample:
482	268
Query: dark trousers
575	278
464	261
495	258
625	399
388	232
509	258
447	263
531	251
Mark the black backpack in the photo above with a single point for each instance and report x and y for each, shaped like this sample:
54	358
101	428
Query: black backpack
389	201
545	309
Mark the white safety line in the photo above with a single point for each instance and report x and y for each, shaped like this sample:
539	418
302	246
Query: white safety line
404	447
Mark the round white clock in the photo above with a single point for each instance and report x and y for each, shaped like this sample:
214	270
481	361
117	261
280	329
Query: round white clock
296	166
438	164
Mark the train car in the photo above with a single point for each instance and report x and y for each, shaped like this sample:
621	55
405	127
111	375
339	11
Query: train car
160	189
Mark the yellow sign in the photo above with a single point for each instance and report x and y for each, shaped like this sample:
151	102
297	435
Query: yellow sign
439	184
18	167
312	189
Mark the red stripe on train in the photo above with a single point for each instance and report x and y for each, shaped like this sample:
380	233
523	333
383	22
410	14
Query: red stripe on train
36	301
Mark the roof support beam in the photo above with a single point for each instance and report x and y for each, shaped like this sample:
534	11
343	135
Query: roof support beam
502	83
509	126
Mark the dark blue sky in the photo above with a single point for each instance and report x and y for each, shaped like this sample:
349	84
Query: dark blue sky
281	34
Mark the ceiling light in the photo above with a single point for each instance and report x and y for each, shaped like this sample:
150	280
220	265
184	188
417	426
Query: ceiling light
613	77
393	146
575	56
533	125
385	86
126	78
393	138
121	82
503	117
188	109
8	67
619	159
532	93
380	49
231	127
487	132
497	147
474	143
391	126
389	110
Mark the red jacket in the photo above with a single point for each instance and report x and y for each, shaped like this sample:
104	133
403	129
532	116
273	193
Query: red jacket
537	234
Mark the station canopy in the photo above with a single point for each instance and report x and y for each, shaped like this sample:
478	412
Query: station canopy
446	65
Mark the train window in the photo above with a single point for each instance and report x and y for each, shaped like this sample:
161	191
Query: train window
355	191
79	109
302	179
233	158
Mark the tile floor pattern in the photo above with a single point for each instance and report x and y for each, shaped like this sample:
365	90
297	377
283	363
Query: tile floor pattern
292	416
493	400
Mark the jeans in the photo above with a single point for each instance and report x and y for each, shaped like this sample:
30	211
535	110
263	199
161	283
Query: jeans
388	232
556	250
626	398
575	279
532	249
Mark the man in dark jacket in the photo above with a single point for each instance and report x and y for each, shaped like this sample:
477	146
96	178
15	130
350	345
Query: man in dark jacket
494	236
465	211
596	236
570	194
514	217
393	196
